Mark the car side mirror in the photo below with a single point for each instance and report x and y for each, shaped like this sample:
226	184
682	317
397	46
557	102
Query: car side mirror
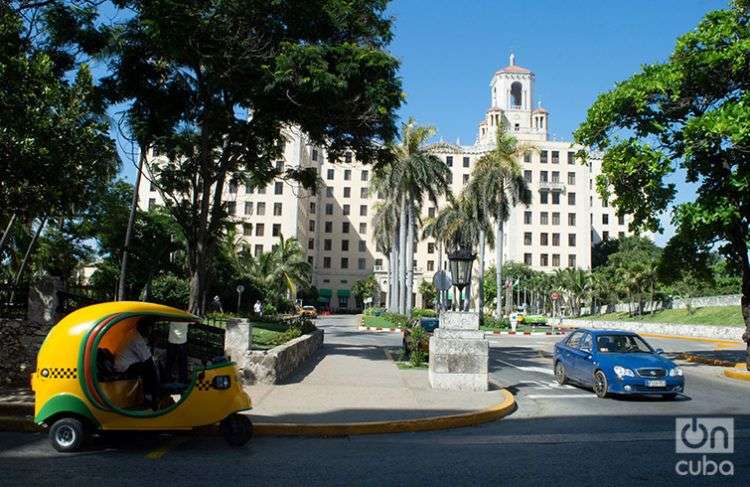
660	350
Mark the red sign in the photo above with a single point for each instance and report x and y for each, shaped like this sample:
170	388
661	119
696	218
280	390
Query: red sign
555	296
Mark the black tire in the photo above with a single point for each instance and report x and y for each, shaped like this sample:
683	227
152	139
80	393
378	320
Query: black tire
237	429
67	435
671	396
560	374
600	384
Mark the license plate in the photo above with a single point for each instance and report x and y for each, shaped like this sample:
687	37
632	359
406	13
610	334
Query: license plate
656	383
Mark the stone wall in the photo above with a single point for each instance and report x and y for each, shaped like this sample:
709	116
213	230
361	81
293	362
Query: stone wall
274	365
727	300
699	331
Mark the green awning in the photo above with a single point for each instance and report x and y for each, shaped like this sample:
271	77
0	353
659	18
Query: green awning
325	292
324	299
343	293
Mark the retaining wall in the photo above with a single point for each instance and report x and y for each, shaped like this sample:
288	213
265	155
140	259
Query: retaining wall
726	300
274	365
698	331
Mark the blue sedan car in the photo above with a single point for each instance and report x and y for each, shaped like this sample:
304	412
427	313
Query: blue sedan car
616	362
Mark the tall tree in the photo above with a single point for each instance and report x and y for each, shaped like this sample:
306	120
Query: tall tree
690	112
225	78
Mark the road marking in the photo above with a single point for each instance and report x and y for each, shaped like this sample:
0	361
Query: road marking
561	396
538	370
162	450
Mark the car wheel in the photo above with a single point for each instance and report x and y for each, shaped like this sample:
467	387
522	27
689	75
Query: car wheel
237	429
67	434
560	374
600	384
670	396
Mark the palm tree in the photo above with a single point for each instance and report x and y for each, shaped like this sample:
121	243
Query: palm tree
413	174
497	185
291	267
385	223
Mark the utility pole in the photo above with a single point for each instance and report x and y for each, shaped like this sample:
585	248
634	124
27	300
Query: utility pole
131	222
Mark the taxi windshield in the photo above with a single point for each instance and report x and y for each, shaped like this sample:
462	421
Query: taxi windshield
622	344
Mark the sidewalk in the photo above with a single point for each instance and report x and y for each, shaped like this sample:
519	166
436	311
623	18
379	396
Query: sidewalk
358	383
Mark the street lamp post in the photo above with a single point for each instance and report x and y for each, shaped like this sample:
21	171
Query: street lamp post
460	262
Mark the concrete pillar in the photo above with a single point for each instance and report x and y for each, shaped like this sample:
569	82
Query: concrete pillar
238	339
43	301
459	353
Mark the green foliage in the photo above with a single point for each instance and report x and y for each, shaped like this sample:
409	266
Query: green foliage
429	293
269	309
416	339
366	288
398	320
496	324
170	290
373	311
423	313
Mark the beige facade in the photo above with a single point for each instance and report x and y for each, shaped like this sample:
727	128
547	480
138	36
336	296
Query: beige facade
556	230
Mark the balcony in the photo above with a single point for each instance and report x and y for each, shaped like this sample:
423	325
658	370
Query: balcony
551	186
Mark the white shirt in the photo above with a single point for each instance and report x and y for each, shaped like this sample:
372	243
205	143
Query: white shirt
178	333
135	351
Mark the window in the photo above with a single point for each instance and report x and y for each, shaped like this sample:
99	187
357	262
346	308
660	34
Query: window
605	235
278	187
449	179
361	263
258	249
571	178
347	192
527	156
555	157
431	212
571	157
315	154
543	157
365	175
466	178
248	207
571	240
276	229
311	226
621	219
249	190
344	227
152	186
363	227
364	193
312	208
347	174
232	187
555	239
571	219
544	239
605	204
345	262
555	218
527	176
279	166
527	238
430	265
544	260
326	262
527	217
346	209
247	229
430	247
527	259
362	210
555	176
329	192
329	174
571	198
605	219
261	208
620	234
544	197
555	260
328	227
344	245
362	246
329	208
310	259
262	190
232	207
348	157
277	209
378	264
327	244
515	94
543	176
555	198
311	243
449	161
543	218
571	260
466	162
259	229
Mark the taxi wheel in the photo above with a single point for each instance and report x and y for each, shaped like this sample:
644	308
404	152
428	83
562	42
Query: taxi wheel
67	434
237	429
600	384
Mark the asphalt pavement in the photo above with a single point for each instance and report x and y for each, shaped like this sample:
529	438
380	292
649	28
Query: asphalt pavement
558	435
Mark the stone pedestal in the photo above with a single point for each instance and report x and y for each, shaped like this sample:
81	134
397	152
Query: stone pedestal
459	353
238	339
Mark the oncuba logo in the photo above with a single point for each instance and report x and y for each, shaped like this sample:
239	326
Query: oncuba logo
702	436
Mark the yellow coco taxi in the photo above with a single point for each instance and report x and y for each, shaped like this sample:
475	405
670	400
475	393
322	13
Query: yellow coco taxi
74	398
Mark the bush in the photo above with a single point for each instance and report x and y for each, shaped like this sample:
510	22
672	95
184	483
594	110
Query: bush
424	313
496	324
270	310
416	345
535	320
170	290
373	311
400	321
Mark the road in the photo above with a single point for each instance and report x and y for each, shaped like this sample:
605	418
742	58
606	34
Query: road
558	434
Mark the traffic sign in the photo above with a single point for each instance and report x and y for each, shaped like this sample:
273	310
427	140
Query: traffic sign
240	288
442	281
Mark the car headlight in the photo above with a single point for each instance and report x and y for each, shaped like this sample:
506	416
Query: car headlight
621	371
676	372
221	382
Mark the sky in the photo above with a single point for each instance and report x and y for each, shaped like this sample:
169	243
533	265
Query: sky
577	49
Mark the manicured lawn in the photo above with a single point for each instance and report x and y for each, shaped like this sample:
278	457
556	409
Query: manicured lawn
265	335
710	315
377	322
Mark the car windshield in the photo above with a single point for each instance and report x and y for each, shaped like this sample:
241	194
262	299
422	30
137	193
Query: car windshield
622	344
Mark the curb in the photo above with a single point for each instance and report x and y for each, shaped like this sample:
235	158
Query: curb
378	329
738	373
474	418
692	339
525	333
716	362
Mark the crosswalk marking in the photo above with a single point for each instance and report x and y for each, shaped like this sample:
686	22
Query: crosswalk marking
538	370
561	396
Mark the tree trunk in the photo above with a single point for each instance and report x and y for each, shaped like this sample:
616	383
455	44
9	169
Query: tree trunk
129	230
499	268
402	257
480	287
410	260
393	284
440	294
739	244
7	230
26	257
